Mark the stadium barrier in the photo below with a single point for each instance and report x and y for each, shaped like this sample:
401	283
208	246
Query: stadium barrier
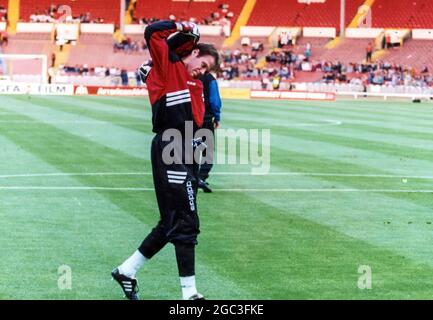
422	34
36	89
110	91
17	88
248	31
316	32
293	95
104	28
386	96
326	94
363	33
214	31
233	93
28	27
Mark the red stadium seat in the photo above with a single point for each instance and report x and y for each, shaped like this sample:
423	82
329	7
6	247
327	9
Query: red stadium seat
109	10
291	13
403	14
161	9
414	53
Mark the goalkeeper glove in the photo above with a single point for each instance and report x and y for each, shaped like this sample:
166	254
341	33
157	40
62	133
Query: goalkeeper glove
189	28
144	70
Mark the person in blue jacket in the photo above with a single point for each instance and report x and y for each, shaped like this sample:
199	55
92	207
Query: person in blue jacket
211	122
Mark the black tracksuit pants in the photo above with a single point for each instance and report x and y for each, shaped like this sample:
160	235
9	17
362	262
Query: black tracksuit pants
176	190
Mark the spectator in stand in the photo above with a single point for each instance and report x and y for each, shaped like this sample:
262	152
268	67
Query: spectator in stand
307	52
3	39
257	46
245	41
283	39
388	40
276	80
53	59
369	50
265	81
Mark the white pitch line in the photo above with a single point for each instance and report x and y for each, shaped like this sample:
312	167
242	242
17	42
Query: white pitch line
74	188
220	190
326	123
73	122
306	124
64	174
316	174
312	174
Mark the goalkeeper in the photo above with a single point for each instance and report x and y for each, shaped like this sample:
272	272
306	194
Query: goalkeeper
183	44
176	96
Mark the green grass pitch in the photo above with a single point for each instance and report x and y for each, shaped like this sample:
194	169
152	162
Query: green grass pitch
350	185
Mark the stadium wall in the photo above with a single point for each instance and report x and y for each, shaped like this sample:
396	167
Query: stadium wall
363	33
319	32
422	34
204	30
11	88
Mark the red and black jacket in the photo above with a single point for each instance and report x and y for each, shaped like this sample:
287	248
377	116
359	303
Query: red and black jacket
175	96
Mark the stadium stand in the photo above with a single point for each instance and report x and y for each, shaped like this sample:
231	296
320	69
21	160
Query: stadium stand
90	44
403	14
292	13
342	63
349	50
29	44
108	10
414	53
317	44
184	10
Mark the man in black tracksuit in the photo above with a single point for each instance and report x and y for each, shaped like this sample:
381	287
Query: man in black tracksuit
176	96
211	122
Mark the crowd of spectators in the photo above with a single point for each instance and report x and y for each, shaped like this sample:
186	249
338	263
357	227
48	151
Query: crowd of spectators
378	73
241	62
283	63
128	45
221	16
100	71
52	14
85	70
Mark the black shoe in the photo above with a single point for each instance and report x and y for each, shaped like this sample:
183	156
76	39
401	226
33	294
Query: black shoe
204	186
197	296
129	285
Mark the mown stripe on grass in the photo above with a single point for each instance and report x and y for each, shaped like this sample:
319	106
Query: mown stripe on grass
125	140
98	105
265	108
122	119
67	152
362	108
333	127
279	254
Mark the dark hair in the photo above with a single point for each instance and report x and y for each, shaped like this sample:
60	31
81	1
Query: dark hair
208	49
